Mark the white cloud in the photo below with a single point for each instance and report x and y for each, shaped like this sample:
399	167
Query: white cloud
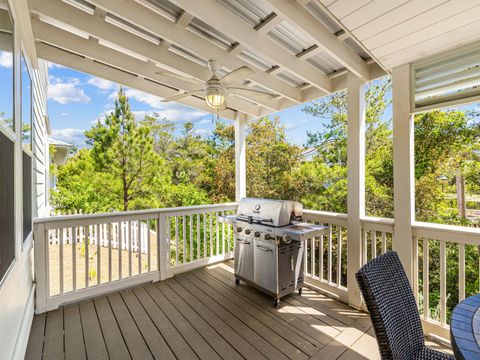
101	83
170	111
66	91
202	132
71	136
289	126
64	114
53	66
204	121
6	59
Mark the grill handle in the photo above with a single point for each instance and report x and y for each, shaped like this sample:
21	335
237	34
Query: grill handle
263	248
244	242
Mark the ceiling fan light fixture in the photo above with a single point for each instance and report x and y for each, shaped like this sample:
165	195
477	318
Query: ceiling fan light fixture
215	98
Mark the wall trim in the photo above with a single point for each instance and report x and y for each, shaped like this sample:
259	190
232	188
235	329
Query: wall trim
25	326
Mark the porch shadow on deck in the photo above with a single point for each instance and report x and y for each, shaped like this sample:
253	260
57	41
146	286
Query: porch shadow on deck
203	315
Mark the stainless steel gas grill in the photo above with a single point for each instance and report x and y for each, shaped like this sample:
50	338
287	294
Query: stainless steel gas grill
270	244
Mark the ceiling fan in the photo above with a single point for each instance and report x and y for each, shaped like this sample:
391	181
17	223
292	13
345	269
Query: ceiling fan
217	90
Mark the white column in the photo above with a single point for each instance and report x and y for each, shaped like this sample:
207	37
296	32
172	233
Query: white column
403	167
356	183
240	157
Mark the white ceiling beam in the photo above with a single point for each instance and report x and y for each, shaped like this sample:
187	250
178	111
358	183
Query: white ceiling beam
174	33
299	17
73	61
184	19
96	27
308	53
21	14
221	18
65	40
268	23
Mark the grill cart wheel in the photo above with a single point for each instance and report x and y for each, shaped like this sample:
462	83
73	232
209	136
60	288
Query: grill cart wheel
300	291
237	282
276	303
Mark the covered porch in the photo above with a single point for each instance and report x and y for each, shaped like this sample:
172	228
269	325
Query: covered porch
202	314
158	282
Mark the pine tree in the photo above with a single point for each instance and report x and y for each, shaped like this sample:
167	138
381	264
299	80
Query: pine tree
124	148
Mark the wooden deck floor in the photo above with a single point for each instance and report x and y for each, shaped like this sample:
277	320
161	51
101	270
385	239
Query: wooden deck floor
202	315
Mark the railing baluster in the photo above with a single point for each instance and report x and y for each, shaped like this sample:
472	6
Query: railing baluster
120	242
184	237
384	242
365	246
426	290
223	235
461	272
339	256
312	257
217	235
204	235
330	249
443	283
139	246
149	252
176	241
60	262
211	235
87	246
130	243
191	237
320	258
229	236
374	244
109	239
74	258
199	242
99	249
415	269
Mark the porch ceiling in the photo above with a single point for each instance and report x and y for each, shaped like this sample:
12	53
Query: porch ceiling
297	50
401	31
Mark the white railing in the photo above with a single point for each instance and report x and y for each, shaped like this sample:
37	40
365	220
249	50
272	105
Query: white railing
326	256
434	244
80	256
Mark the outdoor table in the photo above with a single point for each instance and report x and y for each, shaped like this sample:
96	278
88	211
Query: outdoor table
465	329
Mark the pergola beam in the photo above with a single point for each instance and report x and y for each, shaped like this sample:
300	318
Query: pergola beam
299	17
96	26
65	40
86	65
220	17
176	34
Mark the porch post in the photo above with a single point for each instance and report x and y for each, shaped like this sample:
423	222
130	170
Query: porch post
403	167
356	183
240	157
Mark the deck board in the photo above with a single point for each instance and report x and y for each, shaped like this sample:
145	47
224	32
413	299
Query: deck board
203	315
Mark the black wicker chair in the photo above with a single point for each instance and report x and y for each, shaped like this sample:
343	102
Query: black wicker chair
393	310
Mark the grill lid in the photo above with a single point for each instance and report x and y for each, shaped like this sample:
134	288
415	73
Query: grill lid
269	212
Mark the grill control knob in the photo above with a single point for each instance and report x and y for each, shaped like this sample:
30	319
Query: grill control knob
256	234
286	239
267	237
248	231
239	229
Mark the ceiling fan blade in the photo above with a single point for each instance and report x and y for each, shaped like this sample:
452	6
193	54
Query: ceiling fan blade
176	76
237	75
251	92
181	96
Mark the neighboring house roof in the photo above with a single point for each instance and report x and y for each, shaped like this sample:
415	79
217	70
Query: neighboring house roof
62	149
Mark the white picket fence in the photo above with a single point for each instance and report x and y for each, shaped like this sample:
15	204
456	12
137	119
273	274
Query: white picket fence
99	235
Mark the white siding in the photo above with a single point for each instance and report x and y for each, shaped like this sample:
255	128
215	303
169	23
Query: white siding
17	288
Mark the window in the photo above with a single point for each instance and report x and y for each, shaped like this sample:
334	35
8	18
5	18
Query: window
26	89
7	189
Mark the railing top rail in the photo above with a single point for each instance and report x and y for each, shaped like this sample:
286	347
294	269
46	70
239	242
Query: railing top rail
148	213
325	216
449	233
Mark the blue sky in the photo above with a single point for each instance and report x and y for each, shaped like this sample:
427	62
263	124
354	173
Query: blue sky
76	100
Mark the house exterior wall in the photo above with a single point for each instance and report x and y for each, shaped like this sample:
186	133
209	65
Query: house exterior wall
17	287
